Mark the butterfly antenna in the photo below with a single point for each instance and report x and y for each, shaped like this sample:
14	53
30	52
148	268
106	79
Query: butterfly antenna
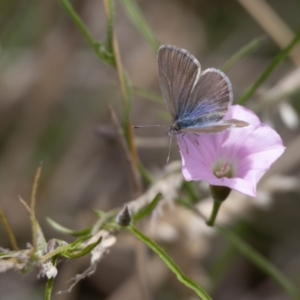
143	126
170	145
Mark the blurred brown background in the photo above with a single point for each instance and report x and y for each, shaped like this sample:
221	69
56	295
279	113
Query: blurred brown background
53	108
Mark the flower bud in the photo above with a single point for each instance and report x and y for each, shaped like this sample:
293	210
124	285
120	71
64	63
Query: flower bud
124	217
219	193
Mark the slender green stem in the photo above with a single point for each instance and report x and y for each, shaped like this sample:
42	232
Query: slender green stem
276	61
171	265
219	194
214	213
126	96
50	282
95	45
113	59
127	109
53	253
49	288
110	26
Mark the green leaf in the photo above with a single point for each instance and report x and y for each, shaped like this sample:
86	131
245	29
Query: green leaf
66	230
99	213
260	262
78	242
268	71
38	239
148	209
171	265
243	52
7	255
140	23
41	241
85	251
9	231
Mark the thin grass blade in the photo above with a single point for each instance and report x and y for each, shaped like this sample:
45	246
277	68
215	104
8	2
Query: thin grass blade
140	23
243	52
268	71
261	262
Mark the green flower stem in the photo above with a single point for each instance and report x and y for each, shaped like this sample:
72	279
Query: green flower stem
213	216
219	194
50	282
171	265
49	288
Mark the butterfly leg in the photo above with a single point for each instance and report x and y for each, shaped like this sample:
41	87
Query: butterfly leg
187	149
197	136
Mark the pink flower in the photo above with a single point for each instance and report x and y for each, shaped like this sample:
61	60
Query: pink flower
236	158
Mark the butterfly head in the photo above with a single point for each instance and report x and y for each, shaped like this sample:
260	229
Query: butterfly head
173	130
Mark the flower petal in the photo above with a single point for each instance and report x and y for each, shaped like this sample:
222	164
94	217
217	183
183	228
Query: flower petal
251	150
241	113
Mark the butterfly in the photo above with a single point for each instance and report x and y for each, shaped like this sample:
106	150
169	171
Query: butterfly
196	100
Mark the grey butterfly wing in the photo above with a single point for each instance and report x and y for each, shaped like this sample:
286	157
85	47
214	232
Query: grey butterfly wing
178	71
208	104
212	94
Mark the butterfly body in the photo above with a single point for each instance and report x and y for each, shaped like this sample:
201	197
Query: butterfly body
189	124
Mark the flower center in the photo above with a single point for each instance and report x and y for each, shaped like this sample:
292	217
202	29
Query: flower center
224	169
